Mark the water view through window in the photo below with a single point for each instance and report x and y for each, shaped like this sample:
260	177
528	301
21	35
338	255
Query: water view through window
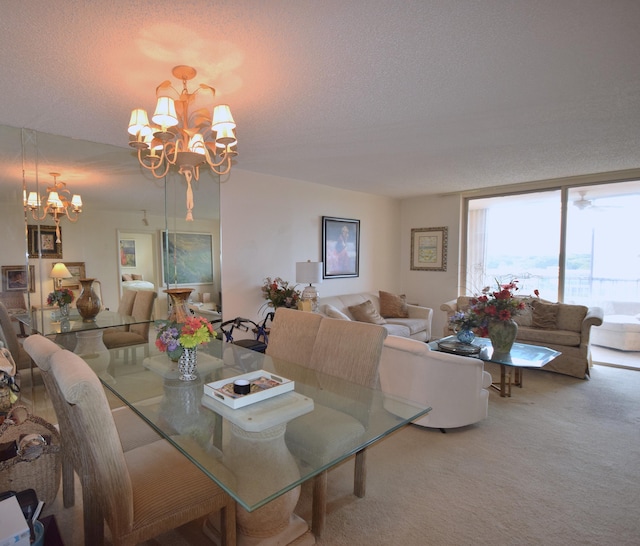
519	237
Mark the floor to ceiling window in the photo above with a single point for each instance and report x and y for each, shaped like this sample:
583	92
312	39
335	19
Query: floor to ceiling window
520	237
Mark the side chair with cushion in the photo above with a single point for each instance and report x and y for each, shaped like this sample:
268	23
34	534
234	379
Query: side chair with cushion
348	351
141	493
133	431
134	334
20	356
15	303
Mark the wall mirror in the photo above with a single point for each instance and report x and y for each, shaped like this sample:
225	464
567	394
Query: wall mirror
124	209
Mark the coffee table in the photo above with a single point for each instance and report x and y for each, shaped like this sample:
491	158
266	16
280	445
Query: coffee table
511	364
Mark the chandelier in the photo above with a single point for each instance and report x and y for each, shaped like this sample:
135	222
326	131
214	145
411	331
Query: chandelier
58	203
183	135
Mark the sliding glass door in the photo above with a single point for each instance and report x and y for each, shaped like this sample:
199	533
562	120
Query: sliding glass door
589	254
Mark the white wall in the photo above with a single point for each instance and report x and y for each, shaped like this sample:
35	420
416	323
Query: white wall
270	223
431	288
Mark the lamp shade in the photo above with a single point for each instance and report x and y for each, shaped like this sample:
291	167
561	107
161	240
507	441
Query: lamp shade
60	271
309	272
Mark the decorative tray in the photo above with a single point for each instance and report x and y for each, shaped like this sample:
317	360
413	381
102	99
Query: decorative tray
458	348
263	385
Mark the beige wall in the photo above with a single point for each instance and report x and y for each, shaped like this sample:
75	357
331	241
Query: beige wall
270	223
431	288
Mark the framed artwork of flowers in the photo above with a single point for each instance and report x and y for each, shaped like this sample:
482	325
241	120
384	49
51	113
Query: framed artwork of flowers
429	249
340	247
43	241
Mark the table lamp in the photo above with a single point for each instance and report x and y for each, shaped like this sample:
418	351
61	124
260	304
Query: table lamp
309	272
58	273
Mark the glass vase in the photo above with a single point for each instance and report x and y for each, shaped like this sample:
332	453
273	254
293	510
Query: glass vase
88	303
64	310
188	364
502	334
465	336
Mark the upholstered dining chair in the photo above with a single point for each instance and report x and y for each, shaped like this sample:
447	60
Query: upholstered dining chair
141	493
132	430
20	356
346	350
134	334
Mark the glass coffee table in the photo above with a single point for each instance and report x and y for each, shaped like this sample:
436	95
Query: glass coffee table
511	364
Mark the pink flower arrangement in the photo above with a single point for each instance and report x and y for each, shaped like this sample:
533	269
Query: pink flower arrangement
174	337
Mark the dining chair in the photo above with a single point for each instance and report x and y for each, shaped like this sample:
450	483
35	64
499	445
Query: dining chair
20	356
140	493
132	430
347	350
135	334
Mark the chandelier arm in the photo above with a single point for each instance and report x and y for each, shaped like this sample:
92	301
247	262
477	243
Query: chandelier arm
154	168
211	152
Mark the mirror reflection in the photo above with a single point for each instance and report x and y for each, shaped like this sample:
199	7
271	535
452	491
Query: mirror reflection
131	232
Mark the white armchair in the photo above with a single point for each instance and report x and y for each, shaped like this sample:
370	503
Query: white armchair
454	386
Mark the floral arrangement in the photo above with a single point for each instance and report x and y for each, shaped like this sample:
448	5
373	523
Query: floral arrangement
279	293
60	297
174	337
501	304
464	320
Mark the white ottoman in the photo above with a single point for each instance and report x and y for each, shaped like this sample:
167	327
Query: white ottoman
620	332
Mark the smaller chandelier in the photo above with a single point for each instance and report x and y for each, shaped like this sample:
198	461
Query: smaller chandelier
181	137
58	203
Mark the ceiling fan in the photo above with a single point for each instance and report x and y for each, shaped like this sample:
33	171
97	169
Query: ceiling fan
583	202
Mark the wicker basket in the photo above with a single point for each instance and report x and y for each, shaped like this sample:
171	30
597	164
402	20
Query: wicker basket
41	474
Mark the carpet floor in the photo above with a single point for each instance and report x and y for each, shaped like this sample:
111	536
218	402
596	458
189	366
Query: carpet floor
558	463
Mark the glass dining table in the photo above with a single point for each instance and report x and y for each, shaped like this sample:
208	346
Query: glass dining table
248	450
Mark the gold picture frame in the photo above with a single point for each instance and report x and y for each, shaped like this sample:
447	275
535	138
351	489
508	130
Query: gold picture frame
429	249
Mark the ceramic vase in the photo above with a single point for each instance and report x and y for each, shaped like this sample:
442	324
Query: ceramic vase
88	303
188	364
64	310
502	334
178	310
465	336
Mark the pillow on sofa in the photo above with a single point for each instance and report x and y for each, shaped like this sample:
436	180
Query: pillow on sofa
544	315
525	317
335	313
392	306
366	312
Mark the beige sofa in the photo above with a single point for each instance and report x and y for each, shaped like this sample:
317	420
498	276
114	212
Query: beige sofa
416	326
570	335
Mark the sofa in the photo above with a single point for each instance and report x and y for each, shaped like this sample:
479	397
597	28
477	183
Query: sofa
567	330
415	325
456	387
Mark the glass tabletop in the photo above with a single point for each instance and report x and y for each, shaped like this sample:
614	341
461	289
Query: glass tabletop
522	355
49	323
246	450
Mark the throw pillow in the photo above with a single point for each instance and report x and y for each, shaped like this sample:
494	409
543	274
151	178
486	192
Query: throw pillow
126	277
366	312
392	306
544	315
332	312
136	277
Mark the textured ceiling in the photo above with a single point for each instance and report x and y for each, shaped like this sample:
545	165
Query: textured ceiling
397	98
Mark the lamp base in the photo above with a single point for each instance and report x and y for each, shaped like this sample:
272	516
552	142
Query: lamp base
310	294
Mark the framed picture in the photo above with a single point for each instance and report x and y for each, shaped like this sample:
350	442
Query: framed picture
127	252
429	249
44	241
187	258
77	269
14	278
340	247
